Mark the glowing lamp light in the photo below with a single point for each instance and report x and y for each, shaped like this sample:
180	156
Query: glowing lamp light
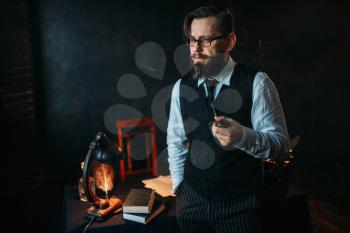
99	178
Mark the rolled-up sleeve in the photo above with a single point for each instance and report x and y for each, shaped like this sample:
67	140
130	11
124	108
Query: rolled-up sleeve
269	137
175	138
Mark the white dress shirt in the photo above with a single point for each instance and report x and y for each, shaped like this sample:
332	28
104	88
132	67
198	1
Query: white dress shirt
268	138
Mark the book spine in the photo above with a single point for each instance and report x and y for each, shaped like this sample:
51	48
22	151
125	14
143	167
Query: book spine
151	201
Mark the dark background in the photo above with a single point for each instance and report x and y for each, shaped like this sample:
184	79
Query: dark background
77	50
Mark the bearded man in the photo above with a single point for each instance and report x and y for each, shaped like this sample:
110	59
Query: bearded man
224	119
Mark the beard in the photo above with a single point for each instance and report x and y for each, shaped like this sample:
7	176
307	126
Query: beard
210	68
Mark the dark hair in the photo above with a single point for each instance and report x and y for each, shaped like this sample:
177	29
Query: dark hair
225	22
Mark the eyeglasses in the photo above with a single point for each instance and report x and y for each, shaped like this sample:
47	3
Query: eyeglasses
203	42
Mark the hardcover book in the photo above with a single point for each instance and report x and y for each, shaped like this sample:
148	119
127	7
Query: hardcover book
139	201
145	218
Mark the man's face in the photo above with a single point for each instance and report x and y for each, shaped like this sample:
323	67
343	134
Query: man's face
209	60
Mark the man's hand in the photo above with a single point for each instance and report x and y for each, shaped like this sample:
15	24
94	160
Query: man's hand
227	131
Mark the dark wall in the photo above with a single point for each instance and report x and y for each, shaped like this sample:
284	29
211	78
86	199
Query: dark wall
87	47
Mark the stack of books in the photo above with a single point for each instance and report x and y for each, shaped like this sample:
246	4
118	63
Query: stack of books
141	205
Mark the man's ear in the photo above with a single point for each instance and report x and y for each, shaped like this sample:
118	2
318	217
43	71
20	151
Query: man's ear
232	39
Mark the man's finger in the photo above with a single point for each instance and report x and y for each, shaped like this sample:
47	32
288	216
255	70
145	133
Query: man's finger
222	137
224	122
218	118
223	142
220	131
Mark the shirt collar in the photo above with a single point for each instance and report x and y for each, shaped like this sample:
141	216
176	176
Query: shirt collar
224	76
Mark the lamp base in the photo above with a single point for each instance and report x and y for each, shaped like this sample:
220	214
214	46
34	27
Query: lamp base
101	214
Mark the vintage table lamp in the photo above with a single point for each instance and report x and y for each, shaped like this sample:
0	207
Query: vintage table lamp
99	178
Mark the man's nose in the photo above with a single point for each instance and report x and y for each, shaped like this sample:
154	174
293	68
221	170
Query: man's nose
197	47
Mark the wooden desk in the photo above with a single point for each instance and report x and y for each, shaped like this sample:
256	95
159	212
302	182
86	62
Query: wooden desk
289	216
73	216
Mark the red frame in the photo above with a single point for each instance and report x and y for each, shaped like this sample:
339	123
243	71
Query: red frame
133	123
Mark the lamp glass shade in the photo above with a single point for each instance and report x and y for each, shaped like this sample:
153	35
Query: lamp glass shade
99	178
103	175
100	169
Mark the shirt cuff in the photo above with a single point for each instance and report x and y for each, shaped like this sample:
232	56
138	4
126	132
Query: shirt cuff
241	143
176	184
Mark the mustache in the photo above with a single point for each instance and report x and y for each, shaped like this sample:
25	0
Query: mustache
198	55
